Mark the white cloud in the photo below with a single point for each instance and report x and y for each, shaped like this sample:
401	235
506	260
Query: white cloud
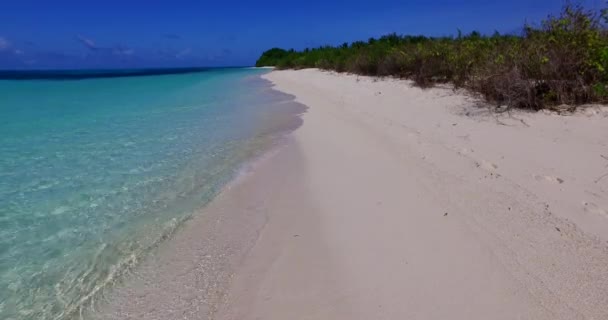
127	52
87	42
4	44
122	51
183	53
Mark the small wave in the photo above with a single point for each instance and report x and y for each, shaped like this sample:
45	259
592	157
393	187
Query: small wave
87	289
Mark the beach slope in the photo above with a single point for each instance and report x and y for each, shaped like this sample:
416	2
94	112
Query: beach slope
395	202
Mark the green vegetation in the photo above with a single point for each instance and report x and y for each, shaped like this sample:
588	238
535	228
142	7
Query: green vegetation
563	61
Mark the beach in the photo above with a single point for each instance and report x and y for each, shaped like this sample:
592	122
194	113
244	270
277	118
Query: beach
414	204
394	202
304	161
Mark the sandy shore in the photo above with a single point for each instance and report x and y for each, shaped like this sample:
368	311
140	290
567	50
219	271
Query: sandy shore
391	202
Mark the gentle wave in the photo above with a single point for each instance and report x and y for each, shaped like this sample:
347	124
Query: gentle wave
95	174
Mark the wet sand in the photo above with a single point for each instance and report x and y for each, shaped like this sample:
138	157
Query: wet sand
186	276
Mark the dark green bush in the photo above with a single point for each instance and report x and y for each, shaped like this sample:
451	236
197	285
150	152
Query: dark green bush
564	61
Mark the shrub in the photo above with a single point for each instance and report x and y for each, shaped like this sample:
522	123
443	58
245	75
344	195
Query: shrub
564	61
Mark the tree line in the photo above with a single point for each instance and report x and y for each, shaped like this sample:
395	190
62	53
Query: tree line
564	60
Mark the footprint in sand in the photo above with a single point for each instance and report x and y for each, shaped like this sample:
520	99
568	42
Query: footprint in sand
594	209
551	179
486	165
465	151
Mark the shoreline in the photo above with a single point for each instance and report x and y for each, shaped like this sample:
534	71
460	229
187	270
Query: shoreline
394	202
192	263
410	204
187	275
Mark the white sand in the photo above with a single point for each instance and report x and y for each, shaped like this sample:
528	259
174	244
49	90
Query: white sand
391	202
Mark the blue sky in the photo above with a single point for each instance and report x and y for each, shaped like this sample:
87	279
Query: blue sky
136	33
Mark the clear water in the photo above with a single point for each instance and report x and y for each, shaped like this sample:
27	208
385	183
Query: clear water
95	172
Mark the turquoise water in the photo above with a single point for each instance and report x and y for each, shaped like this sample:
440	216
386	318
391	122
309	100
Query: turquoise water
95	172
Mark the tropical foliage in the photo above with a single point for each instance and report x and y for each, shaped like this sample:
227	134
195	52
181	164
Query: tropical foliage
564	60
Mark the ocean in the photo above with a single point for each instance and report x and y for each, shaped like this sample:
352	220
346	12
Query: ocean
98	167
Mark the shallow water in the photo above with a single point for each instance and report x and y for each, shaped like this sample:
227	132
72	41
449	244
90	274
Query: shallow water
95	172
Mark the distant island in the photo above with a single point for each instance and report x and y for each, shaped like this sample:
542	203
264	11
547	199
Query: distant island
564	61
